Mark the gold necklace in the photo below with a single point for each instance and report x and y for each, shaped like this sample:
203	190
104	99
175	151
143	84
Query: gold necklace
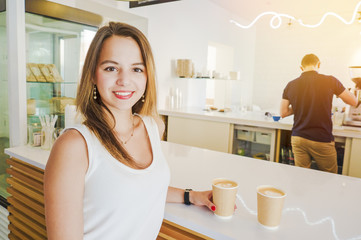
131	135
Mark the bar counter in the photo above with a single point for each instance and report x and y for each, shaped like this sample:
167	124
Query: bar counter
250	118
318	205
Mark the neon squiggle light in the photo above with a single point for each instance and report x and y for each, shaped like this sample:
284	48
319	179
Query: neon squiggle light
307	221
279	16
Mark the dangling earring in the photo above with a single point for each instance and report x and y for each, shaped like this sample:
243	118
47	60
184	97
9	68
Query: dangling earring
95	92
143	99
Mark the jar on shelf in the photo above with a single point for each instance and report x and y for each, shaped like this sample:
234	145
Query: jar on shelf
34	135
48	137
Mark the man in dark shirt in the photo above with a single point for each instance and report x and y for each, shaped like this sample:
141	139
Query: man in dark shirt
309	98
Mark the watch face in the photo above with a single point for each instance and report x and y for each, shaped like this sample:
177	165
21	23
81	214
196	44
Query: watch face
186	197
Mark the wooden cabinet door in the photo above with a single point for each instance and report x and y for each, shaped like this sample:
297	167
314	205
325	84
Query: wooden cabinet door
355	158
199	133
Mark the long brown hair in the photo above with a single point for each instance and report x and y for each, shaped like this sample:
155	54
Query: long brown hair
94	110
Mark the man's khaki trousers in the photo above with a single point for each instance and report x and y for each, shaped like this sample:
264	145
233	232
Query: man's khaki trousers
324	154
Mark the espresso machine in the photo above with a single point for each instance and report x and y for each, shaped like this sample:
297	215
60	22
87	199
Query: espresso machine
354	115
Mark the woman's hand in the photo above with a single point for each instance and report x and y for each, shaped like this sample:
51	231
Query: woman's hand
203	198
198	198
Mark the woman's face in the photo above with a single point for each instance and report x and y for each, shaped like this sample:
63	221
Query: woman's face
120	74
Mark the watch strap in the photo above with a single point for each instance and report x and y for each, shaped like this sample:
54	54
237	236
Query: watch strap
186	196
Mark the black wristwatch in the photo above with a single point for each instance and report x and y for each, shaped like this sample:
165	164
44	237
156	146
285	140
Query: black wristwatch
186	196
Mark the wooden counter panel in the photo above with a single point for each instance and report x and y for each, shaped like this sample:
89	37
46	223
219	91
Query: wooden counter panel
170	231
25	179
12	236
16	233
28	191
27	169
27	214
17	206
23	229
30	203
26	220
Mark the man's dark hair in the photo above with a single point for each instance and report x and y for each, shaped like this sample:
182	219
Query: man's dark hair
309	60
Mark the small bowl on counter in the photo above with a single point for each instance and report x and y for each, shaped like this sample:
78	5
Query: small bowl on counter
276	118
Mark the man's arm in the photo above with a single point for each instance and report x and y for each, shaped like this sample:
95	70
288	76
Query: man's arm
286	109
348	98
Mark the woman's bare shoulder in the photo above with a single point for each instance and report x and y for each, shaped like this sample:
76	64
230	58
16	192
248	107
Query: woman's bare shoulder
71	138
69	148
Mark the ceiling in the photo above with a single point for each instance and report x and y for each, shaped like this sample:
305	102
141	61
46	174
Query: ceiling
250	9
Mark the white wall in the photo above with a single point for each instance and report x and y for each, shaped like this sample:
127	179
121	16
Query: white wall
279	53
267	58
183	29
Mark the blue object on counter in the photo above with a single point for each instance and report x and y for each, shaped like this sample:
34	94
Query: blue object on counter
276	118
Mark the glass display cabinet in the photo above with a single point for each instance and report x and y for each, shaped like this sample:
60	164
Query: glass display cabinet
4	116
55	54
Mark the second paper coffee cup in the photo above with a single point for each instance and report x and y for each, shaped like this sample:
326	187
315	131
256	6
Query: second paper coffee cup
224	196
269	205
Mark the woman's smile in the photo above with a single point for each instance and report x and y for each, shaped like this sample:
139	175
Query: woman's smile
123	95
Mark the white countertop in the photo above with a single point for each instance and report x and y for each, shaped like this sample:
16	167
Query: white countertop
255	119
319	205
33	155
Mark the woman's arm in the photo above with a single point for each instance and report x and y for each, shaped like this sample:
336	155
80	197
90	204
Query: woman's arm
176	195
64	187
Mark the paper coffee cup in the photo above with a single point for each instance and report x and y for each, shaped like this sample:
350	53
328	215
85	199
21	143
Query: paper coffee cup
224	196
269	205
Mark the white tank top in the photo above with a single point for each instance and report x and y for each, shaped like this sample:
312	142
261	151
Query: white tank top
121	202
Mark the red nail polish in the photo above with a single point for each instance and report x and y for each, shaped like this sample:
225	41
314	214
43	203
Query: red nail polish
213	208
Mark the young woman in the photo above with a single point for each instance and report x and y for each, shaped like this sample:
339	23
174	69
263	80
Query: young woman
107	178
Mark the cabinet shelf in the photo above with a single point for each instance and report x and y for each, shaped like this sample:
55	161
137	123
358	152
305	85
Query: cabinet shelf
45	98
53	83
37	115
